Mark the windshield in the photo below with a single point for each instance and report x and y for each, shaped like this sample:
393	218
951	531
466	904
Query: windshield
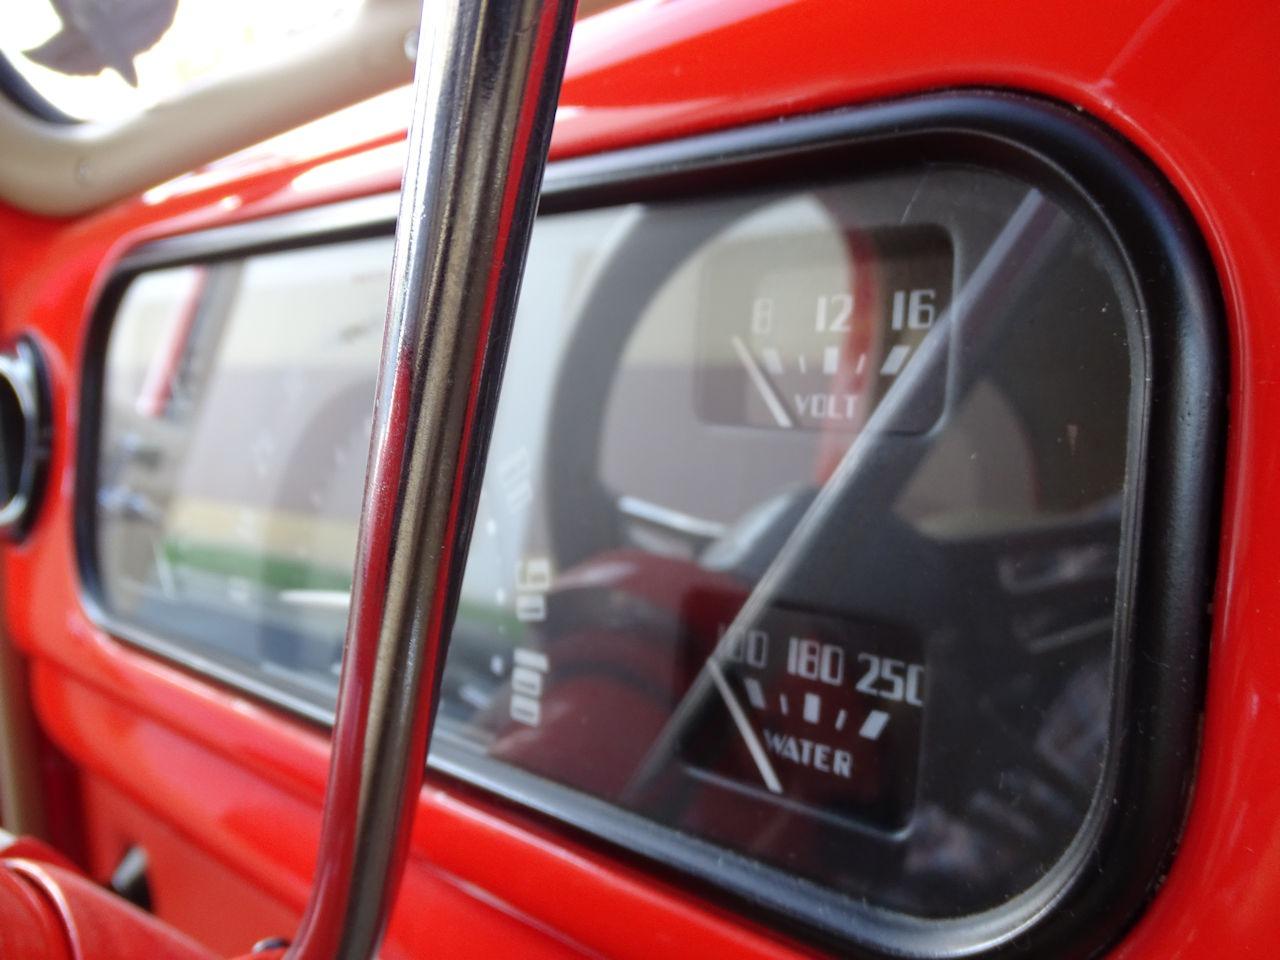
108	59
105	60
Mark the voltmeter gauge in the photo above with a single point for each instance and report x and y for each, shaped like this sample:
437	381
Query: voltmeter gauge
808	332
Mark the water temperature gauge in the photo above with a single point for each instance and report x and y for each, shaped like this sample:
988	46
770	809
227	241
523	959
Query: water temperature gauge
834	709
801	336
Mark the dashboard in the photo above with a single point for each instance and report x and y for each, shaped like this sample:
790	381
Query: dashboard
826	538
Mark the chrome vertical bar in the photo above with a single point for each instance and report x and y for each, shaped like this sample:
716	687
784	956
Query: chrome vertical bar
488	80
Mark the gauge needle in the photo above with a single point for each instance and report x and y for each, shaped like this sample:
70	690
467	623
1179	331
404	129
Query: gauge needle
762	385
756	748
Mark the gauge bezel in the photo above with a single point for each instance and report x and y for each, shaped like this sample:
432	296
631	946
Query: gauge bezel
1090	896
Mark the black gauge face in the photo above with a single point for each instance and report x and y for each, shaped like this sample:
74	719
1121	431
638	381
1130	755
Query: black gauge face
800	558
797	335
821	711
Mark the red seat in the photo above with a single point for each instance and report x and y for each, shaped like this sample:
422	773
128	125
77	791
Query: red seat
50	912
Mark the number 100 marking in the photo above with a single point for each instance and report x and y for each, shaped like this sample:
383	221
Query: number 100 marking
751	649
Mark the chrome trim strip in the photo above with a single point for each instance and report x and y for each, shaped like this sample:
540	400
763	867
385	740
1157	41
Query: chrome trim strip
485	102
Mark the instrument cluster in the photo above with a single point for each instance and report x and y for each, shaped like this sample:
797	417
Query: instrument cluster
806	553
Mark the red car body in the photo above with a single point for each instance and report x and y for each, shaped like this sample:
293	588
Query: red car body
225	793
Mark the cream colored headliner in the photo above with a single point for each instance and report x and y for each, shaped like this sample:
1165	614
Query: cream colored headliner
67	169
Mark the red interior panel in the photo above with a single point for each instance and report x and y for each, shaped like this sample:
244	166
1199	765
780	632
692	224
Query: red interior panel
225	792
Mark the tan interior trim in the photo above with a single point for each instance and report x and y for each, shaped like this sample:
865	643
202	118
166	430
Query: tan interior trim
67	169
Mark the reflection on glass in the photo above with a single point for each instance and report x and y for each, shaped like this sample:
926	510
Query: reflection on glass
238	405
799	534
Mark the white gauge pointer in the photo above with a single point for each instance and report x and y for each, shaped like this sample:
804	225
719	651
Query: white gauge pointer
762	385
756	748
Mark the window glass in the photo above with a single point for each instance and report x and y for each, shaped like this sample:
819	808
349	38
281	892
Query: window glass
91	63
238	401
799	538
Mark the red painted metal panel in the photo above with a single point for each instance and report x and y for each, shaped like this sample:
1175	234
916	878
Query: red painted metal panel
192	890
1190	82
